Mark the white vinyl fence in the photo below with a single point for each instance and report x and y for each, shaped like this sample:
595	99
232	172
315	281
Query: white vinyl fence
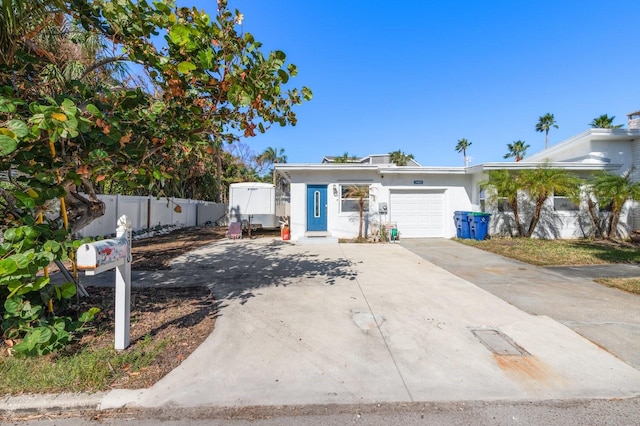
148	212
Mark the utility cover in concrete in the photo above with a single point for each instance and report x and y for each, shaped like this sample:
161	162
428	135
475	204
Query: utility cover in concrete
498	342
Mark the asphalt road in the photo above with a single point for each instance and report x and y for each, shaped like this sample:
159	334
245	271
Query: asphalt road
564	413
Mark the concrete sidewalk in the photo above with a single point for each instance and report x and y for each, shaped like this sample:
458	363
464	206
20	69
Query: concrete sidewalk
364	323
606	316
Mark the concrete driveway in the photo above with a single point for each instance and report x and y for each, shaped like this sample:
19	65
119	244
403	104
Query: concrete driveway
366	323
606	316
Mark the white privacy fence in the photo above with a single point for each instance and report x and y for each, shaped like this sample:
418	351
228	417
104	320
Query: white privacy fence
149	212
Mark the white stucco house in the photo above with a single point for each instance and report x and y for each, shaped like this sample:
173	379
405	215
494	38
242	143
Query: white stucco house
421	200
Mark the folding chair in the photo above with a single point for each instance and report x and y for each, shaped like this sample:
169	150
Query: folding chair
235	230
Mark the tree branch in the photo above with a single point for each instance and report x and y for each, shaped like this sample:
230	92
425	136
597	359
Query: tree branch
101	64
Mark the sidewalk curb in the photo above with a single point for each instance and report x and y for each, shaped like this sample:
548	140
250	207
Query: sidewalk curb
51	402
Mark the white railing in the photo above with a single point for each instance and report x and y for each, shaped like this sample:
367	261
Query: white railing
149	212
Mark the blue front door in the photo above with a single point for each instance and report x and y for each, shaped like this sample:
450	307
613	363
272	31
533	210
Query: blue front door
316	207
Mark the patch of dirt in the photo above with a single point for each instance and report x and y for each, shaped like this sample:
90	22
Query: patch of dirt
155	253
175	319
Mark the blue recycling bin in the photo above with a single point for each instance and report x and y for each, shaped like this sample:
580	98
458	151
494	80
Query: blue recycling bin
462	224
479	225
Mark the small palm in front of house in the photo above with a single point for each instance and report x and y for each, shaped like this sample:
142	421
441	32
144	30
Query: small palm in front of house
360	193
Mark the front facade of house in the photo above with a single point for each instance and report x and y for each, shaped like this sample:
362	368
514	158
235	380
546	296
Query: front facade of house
417	199
421	201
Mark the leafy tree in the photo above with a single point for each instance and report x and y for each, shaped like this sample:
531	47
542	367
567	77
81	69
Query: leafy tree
604	122
217	144
399	158
61	137
546	122
195	174
244	154
462	146
242	165
224	85
504	184
543	182
361	193
517	150
613	191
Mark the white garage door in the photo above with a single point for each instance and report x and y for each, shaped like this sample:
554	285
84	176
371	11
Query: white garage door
418	214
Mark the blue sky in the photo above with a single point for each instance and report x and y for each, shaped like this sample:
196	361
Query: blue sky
419	75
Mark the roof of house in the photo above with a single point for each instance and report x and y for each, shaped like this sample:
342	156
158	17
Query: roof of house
285	169
523	165
586	137
586	162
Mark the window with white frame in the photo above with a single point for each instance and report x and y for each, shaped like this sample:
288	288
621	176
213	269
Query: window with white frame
562	203
482	200
350	196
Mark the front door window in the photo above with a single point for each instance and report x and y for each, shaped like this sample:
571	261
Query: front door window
316	204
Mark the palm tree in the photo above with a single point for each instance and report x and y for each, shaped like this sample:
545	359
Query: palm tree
604	122
271	156
462	146
361	193
542	183
614	191
517	150
20	20
503	184
64	51
588	191
345	158
399	158
545	123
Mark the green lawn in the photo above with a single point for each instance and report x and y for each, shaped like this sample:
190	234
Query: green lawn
560	252
632	285
90	369
567	252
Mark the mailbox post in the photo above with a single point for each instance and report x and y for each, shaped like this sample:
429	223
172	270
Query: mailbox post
104	255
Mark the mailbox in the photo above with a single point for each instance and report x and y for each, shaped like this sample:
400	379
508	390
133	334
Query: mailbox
102	255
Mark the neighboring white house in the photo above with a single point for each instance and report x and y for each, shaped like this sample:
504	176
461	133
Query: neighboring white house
369	159
421	201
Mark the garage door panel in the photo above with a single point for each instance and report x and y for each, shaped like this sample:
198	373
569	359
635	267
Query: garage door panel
418	213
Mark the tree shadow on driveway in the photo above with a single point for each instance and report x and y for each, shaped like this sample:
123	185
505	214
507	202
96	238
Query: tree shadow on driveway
234	270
